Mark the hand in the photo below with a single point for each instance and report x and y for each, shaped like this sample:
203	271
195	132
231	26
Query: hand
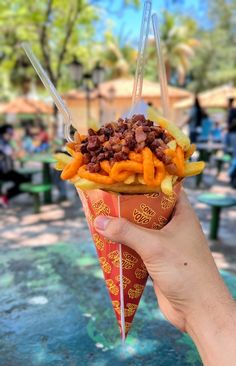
177	259
190	291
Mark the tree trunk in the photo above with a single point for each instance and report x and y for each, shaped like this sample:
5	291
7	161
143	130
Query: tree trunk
55	122
168	71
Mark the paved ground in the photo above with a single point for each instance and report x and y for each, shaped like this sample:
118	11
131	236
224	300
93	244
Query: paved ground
54	308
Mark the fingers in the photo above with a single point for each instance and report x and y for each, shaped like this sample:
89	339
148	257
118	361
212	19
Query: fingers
122	231
145	241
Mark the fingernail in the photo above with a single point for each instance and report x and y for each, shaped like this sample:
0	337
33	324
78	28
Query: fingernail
101	222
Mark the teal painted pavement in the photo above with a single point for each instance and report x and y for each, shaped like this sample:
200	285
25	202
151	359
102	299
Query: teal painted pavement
55	311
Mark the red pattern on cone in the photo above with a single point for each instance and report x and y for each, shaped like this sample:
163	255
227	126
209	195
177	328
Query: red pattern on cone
149	210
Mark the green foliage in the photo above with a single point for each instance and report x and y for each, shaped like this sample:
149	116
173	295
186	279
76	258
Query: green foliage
202	55
132	2
215	61
57	30
178	45
118	58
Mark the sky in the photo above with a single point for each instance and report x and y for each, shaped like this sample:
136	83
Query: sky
127	22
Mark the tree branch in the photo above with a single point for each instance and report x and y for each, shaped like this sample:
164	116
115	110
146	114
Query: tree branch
43	39
69	30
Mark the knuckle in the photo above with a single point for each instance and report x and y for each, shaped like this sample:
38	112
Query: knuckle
152	247
119	229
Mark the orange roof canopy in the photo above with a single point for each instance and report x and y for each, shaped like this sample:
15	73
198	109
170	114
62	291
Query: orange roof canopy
123	87
214	98
24	105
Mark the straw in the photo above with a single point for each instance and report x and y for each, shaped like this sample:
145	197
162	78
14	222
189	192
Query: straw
51	88
138	80
162	71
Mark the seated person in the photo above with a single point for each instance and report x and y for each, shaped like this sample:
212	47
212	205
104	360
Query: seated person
42	139
216	133
206	128
28	143
7	172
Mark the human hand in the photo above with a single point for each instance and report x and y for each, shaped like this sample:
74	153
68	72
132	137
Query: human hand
190	291
178	260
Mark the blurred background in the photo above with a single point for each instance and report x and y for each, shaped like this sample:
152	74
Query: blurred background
51	284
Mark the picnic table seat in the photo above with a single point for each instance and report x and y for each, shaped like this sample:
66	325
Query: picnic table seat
28	172
35	190
217	202
2	182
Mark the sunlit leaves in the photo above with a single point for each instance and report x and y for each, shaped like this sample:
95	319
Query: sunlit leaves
178	46
22	20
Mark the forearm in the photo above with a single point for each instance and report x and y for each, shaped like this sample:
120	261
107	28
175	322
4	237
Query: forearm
213	330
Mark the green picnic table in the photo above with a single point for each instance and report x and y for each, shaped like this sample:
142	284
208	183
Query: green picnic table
217	202
46	159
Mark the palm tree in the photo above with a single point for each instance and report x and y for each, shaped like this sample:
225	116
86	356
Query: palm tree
178	45
119	58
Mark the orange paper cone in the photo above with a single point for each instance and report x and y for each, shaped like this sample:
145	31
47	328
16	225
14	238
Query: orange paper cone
148	210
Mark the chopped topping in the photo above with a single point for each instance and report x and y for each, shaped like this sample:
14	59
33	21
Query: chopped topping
82	148
120	156
87	158
140	135
114	141
93	167
93	143
172	169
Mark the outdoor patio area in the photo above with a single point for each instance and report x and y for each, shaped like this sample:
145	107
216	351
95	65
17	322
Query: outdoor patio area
55	308
109	108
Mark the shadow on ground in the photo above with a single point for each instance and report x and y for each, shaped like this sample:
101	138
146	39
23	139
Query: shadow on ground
55	311
54	307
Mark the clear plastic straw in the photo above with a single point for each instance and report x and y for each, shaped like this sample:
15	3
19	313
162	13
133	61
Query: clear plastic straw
138	80
51	88
162	71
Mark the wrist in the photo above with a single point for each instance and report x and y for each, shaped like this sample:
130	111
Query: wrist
213	329
211	316
210	298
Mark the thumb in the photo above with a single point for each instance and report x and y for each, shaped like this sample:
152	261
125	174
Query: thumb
183	206
183	214
142	240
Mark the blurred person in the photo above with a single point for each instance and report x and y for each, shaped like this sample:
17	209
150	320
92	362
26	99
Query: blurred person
42	139
225	138
43	135
206	128
216	133
189	289
7	172
231	121
56	177
28	142
195	121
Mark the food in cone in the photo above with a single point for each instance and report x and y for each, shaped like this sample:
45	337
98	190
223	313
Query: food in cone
131	168
130	156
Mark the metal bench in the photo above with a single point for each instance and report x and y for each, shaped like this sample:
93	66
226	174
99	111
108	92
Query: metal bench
217	202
